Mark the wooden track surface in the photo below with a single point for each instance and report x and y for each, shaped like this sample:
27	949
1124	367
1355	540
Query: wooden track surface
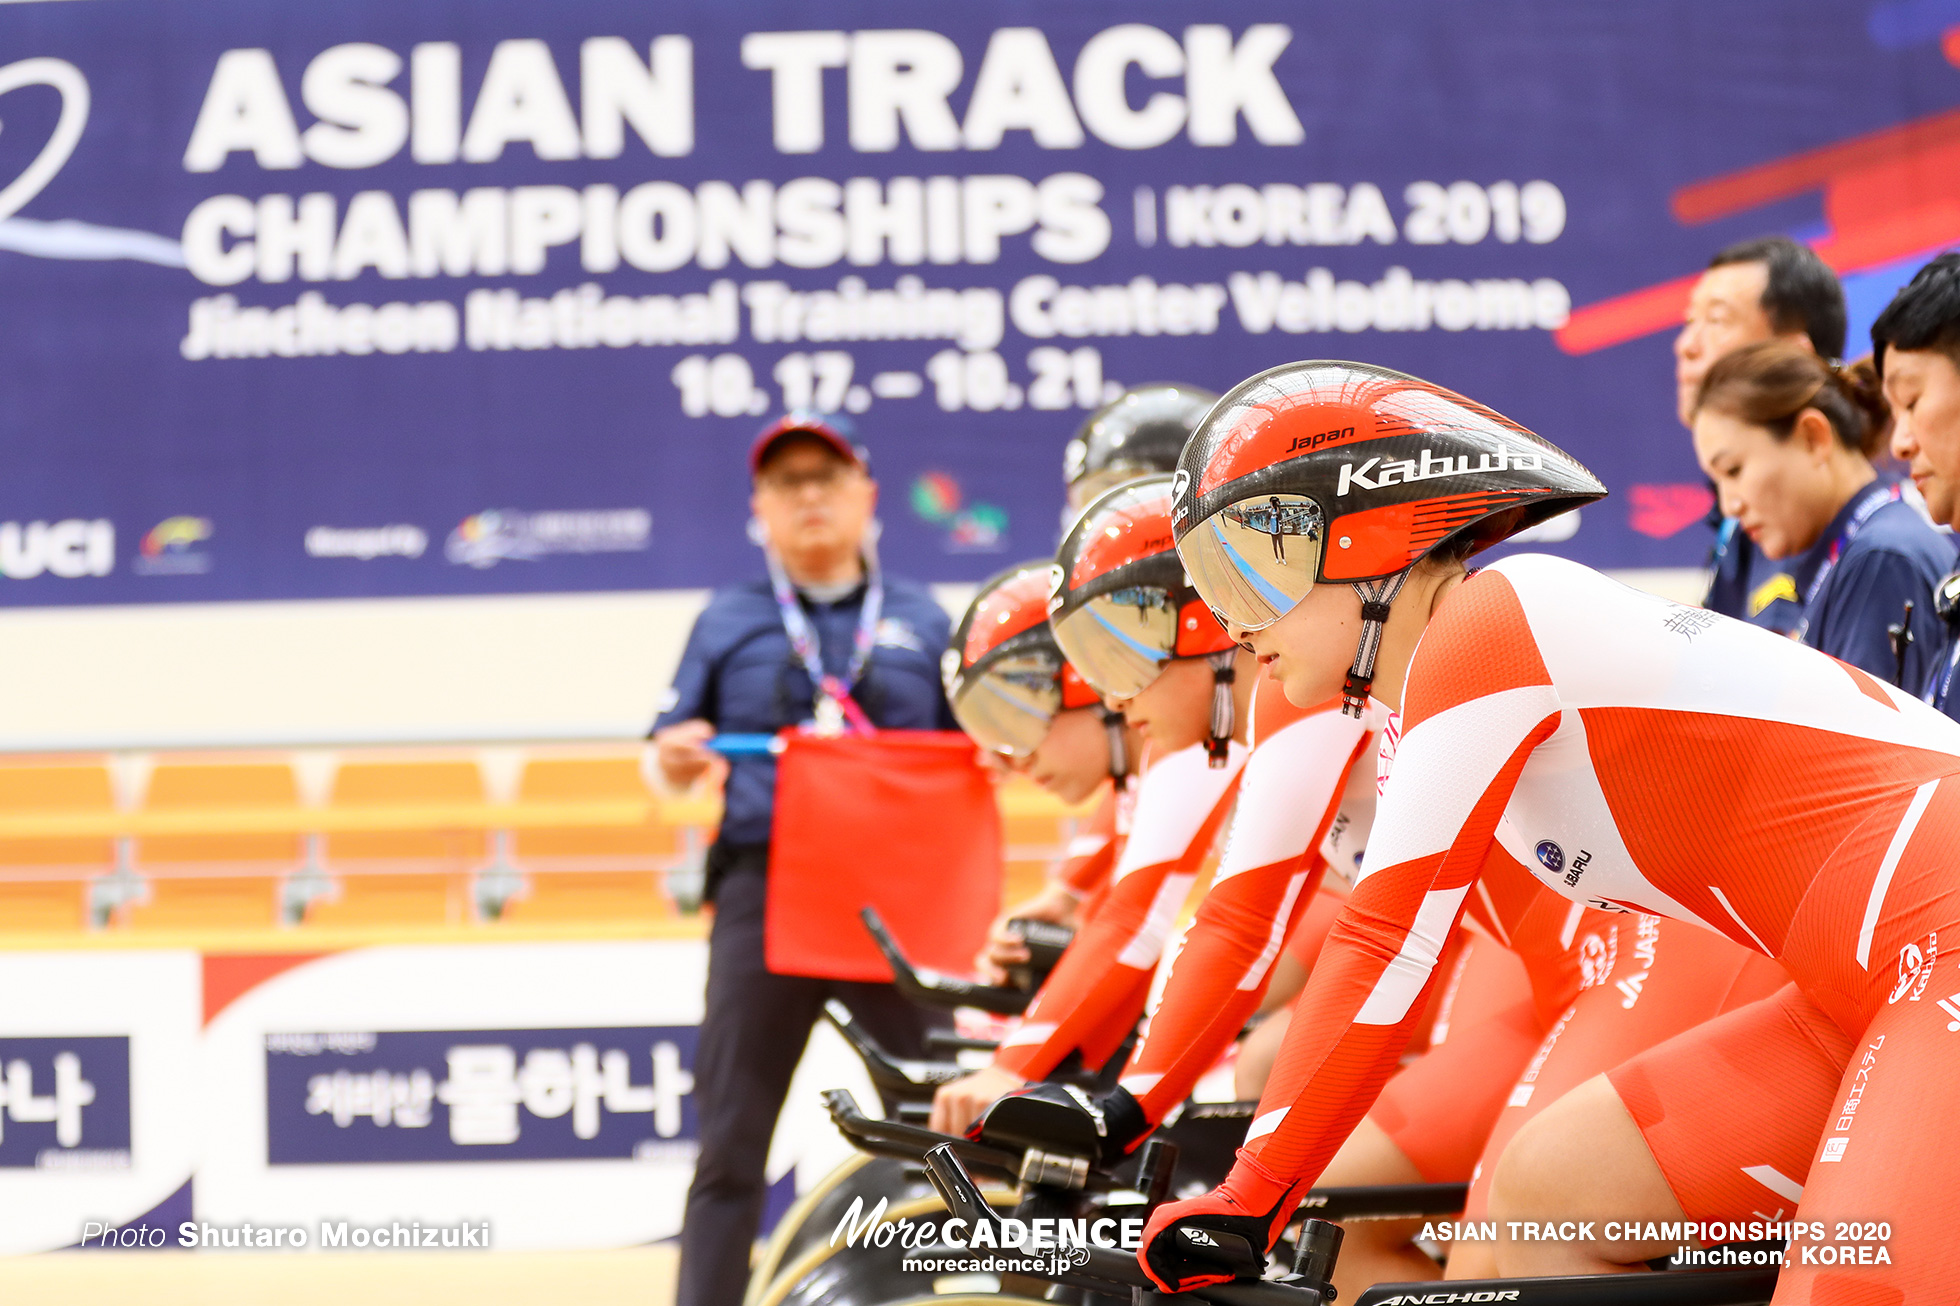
637	1277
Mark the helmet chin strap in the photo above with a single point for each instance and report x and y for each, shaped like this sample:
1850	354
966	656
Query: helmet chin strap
1119	759
1223	673
1376	597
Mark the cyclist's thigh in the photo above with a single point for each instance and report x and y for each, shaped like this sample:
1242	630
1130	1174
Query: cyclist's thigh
1732	1108
1304	941
1651	979
1866	946
1485	977
1881	1182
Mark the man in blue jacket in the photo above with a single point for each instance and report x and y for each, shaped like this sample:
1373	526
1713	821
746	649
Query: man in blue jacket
763	656
1770	288
1916	346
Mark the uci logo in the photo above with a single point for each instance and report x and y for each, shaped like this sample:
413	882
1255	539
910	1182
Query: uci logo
1551	856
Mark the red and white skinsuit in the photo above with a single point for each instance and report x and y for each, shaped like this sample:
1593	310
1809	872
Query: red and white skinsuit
1670	762
1094	996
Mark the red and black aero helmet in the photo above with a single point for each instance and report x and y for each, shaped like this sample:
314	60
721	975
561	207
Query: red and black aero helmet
1121	604
1005	676
1330	472
1139	432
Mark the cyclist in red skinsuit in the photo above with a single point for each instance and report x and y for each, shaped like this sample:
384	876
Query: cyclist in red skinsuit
1092	999
1015	694
1139	433
1681	763
1596	987
1214	981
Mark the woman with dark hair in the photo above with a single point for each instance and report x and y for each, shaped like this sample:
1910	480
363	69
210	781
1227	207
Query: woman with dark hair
1788	440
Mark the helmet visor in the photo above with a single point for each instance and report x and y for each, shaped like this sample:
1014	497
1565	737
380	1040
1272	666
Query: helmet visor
1119	641
1008	706
1253	560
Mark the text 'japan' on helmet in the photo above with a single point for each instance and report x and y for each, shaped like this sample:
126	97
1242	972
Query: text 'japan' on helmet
1337	472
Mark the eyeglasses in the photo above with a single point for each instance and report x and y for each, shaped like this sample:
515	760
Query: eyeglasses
825	480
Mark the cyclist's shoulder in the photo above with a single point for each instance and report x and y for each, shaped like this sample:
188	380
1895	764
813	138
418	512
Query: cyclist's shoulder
1498	602
1489	633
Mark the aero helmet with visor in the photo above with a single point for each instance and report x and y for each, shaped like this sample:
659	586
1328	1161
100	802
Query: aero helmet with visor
1122	607
1006	677
1343	473
1138	433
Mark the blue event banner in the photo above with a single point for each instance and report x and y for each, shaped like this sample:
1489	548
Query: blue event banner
64	1103
480	1095
413	298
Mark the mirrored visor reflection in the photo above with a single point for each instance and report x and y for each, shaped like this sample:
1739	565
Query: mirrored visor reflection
1093	486
1254	560
1119	641
1009	706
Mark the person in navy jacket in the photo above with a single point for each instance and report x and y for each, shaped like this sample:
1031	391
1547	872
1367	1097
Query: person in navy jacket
1788	440
1916	349
742	672
1769	288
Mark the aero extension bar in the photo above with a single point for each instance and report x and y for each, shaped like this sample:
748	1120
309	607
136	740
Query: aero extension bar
930	988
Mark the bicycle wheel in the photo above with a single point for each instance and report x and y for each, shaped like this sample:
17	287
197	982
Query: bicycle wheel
815	1214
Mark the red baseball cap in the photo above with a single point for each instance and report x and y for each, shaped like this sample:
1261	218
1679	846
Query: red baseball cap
833	429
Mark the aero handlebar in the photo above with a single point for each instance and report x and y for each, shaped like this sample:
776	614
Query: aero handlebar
897	1076
930	988
910	1142
1099	1267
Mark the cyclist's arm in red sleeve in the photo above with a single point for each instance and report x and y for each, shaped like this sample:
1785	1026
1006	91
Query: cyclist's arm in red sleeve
1288	794
1098	989
1477	701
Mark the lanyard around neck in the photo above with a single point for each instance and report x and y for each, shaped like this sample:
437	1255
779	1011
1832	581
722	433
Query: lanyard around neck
803	640
1847	533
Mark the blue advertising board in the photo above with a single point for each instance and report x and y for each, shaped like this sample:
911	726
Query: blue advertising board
479	1095
409	298
64	1103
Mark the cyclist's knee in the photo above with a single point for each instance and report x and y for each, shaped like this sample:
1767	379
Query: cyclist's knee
1471	1261
1578	1166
